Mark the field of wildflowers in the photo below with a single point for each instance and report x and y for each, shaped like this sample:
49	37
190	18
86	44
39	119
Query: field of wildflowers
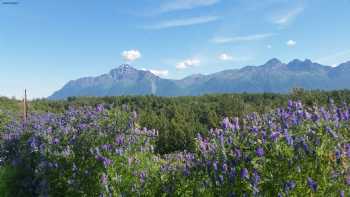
95	151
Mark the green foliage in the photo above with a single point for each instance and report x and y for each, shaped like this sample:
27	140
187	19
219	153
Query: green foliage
4	119
178	119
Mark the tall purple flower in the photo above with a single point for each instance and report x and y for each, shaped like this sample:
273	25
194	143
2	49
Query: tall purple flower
244	173
119	140
215	166
222	139
289	139
331	132
224	167
232	175
238	153
290	185
347	150
337	154
142	177
256	177
290	104
55	141
274	136
312	184
236	124
226	123
104	179
99	108
260	152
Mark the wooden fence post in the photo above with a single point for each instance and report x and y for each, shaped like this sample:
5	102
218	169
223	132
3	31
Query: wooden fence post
25	106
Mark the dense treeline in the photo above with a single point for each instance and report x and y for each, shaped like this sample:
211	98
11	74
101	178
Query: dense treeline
179	119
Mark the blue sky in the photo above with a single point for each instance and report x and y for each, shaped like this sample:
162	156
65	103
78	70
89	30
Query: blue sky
45	43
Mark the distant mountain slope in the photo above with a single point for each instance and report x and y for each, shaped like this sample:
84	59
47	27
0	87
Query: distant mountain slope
273	76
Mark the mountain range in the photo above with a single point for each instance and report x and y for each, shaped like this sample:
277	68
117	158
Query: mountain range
273	76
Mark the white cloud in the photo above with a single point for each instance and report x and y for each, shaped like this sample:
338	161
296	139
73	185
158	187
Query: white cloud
174	5
287	16
183	22
131	55
188	63
291	43
225	57
235	39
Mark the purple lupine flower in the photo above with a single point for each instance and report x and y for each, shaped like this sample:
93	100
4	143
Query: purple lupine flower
215	165
337	154
238	153
199	137
244	173
230	140
232	175
342	193
55	141
142	176
226	123
104	179
256	177
99	108
186	170
347	149
331	132
307	115
315	117
289	139
82	126
290	104
107	147
299	105
312	184
263	136
236	124
119	140
274	136
222	140
290	185
224	167
107	162
260	152
33	143
325	114
254	129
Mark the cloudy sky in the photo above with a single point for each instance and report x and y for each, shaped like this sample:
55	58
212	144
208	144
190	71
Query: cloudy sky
45	43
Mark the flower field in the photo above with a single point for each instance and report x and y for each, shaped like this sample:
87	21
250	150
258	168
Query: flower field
294	150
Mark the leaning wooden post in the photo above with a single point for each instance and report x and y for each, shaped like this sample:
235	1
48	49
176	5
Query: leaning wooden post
25	106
